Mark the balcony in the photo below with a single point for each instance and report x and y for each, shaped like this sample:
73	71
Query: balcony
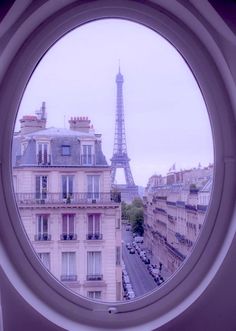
76	199
68	236
95	277
44	160
68	278
42	237
202	208
175	252
94	236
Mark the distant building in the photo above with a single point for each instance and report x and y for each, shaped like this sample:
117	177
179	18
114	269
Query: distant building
63	189
174	213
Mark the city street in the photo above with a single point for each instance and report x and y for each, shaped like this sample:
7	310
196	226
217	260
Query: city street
141	281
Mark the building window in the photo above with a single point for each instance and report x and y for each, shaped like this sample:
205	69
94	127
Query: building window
94	266
45	258
67	187
68	267
43	156
42	228
65	150
117	223
117	255
68	227
41	187
94	227
14	177
93	182
23	147
94	294
87	157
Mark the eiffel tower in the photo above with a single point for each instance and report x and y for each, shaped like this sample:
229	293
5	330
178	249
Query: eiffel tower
120	157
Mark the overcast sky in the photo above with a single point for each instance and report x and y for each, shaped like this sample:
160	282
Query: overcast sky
165	116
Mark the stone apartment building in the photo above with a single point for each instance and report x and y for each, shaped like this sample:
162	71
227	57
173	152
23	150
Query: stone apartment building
62	186
174	213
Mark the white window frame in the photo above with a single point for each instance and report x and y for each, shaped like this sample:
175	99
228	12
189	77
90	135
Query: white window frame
42	193
95	295
93	186
94	229
44	145
40	233
68	218
94	265
69	180
87	154
68	266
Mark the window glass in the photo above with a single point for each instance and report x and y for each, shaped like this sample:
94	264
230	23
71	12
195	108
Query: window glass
87	155
94	227
68	263
94	294
93	186
41	187
67	187
94	267
42	228
68	227
118	195
65	150
43	154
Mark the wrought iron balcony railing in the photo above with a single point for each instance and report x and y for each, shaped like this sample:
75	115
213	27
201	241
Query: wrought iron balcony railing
68	278
94	236
175	251
44	160
42	237
77	198
95	277
68	236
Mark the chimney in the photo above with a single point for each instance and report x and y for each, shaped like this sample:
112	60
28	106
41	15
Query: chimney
81	124
32	123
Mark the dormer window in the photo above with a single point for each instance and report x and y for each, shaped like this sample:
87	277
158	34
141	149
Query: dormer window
65	150
43	154
23	147
87	157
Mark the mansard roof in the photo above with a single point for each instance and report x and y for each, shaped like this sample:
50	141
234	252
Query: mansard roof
57	137
61	132
208	186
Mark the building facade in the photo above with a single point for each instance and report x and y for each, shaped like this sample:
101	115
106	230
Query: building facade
174	212
62	186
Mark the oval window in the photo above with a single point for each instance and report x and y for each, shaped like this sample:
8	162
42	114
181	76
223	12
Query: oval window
112	160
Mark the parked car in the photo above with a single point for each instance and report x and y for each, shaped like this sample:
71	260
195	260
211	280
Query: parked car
157	280
146	260
138	249
126	279
154	272
138	239
132	251
124	273
131	294
142	253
